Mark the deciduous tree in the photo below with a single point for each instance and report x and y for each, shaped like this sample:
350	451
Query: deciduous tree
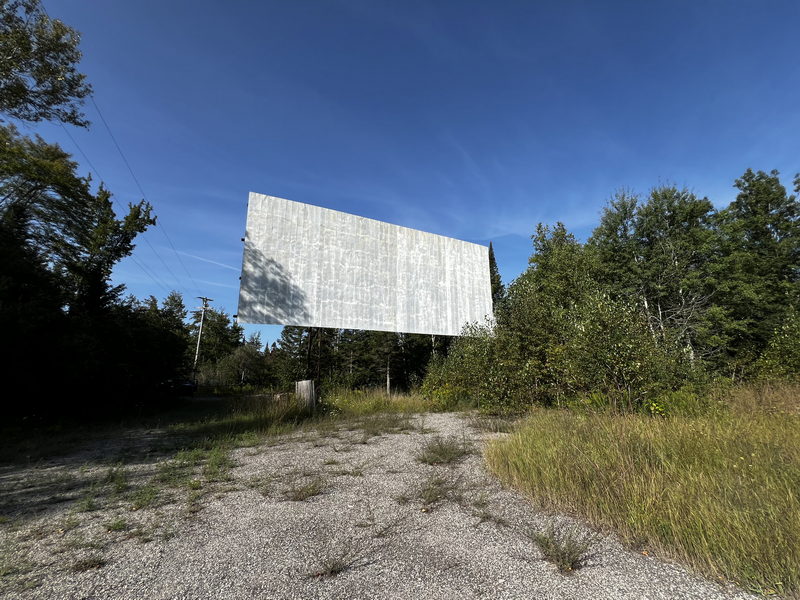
39	79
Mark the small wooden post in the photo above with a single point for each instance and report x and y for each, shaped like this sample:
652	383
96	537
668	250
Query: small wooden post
304	391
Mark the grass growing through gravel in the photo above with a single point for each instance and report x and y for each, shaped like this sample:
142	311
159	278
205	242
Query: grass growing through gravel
297	492
93	561
144	497
117	525
440	450
337	562
566	547
718	491
182	456
433	491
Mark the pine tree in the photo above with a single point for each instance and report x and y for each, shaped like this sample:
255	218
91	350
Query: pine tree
756	274
498	289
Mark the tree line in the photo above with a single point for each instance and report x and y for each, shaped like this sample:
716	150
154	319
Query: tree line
666	295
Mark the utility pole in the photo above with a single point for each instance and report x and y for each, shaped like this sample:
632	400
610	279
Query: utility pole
203	308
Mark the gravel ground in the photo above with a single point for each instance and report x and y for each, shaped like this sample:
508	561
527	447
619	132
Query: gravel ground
245	539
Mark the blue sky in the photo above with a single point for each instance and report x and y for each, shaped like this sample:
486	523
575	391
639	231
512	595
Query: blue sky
474	120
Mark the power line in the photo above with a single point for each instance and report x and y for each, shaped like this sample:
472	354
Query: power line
155	279
86	158
139	185
152	276
141	190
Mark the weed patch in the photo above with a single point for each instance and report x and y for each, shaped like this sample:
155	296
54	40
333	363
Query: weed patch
336	563
117	479
263	484
87	504
144	497
436	489
218	465
303	491
484	514
443	450
566	547
93	561
117	525
354	403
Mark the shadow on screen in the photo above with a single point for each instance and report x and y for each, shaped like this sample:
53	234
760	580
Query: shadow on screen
268	294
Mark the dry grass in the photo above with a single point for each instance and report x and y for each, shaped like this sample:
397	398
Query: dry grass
719	492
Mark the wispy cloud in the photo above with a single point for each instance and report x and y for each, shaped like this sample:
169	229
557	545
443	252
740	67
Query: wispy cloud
217	284
207	260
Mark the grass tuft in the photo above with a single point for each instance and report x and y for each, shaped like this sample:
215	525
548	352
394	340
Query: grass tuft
336	563
304	491
93	561
566	547
144	497
117	525
117	479
87	504
436	489
440	450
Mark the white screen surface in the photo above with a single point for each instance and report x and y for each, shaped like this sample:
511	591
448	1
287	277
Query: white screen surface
311	266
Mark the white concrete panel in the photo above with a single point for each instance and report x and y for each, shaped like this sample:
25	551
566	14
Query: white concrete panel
311	266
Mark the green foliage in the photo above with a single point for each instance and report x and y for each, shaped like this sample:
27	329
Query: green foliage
608	349
245	366
654	255
559	337
221	336
350	359
458	380
781	359
756	276
38	75
498	289
665	296
72	229
60	240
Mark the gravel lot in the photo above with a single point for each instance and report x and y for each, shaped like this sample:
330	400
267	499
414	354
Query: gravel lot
372	513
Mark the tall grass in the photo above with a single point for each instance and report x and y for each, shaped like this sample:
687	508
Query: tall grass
242	417
356	403
720	492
